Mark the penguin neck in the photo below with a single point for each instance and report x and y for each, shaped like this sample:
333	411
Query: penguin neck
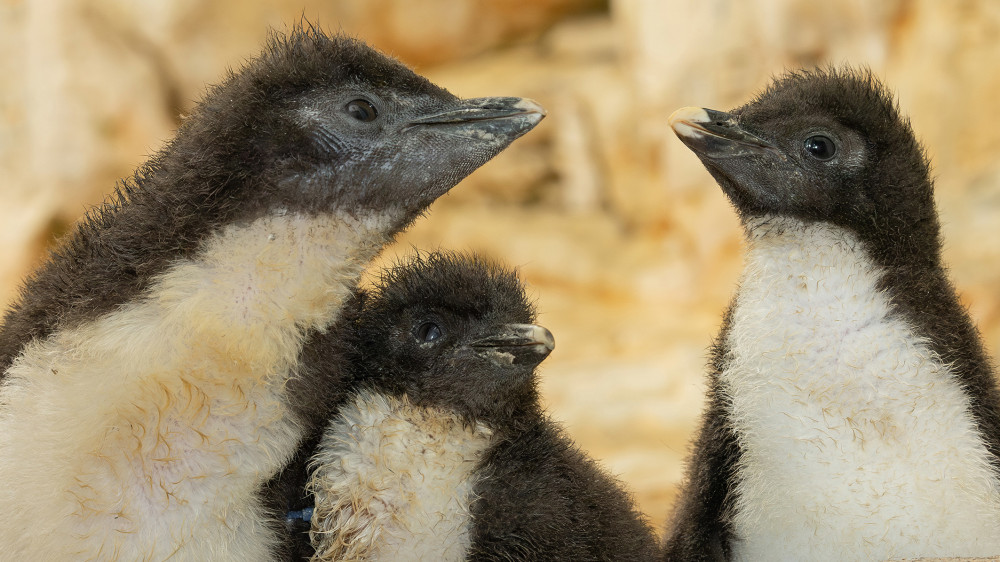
907	270
523	414
254	288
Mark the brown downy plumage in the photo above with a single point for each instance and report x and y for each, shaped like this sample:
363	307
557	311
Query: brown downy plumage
150	367
444	451
852	413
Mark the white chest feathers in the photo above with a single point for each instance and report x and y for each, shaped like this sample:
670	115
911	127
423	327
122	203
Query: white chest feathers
394	482
145	434
857	440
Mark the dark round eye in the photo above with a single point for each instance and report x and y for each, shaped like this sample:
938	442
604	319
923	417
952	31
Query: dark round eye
361	110
820	147
428	331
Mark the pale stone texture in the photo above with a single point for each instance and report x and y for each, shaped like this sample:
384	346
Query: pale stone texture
629	247
948	559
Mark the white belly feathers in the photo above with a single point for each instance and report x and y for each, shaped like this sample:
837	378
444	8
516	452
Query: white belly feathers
144	434
857	440
394	482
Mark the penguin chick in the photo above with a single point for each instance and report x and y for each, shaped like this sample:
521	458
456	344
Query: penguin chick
150	384
853	414
444	452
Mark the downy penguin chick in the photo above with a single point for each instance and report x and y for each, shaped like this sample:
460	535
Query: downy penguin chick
150	366
445	453
853	414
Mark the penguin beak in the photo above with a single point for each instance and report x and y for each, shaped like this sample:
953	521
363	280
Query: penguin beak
717	135
517	344
486	118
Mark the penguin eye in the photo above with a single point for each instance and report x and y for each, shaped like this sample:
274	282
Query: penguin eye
820	147
361	110
428	332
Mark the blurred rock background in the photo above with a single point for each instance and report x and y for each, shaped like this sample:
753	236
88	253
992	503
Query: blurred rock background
629	248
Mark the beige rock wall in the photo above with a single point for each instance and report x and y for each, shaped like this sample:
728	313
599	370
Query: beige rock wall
630	249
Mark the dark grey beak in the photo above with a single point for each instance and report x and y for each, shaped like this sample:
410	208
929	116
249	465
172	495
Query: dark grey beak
716	135
518	344
486	118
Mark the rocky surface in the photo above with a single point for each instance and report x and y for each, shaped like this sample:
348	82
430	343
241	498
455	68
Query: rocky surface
629	248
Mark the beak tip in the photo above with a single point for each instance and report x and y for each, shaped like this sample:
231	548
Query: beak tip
683	121
531	109
545	338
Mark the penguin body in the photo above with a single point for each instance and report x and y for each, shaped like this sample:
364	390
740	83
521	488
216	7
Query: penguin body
853	414
151	366
444	451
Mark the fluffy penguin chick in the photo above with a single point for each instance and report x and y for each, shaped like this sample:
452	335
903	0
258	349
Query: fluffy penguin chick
853	414
150	382
444	453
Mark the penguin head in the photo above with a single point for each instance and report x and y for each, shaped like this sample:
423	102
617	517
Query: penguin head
824	145
454	332
321	124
